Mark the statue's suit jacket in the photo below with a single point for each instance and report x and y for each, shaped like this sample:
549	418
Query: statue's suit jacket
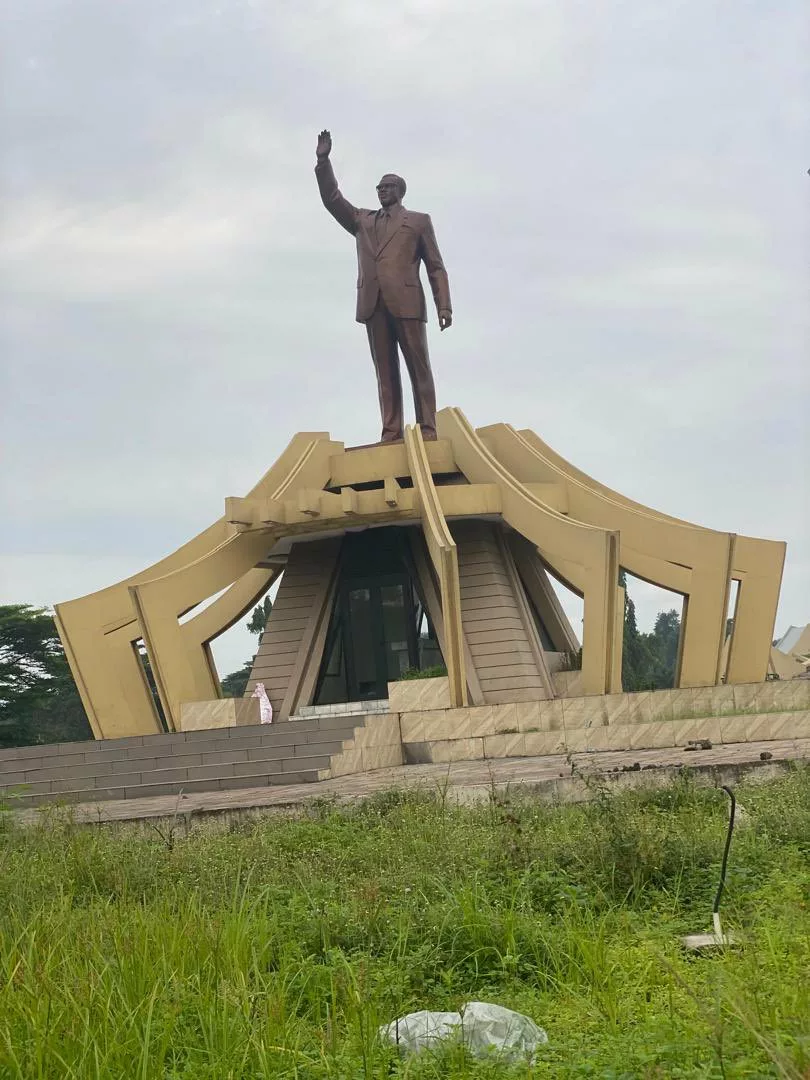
392	269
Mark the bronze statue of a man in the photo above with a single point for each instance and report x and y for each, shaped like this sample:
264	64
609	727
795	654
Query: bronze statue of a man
391	242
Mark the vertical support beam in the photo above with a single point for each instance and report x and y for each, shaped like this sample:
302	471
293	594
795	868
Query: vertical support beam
760	565
182	668
599	622
434	609
615	686
443	554
703	630
76	671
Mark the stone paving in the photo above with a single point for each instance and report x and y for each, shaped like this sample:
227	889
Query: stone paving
552	777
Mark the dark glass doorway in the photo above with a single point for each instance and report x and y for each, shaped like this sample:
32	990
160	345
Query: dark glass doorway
379	627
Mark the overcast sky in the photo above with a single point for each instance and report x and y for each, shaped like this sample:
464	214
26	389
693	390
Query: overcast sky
619	191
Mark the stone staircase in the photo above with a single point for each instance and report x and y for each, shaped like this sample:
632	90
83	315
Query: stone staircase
215	759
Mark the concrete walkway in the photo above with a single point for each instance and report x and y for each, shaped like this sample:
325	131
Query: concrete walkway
551	778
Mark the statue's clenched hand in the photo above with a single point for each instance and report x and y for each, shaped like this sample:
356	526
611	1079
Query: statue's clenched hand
324	147
445	320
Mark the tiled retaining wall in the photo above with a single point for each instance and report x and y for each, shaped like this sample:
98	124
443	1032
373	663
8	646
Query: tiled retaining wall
648	720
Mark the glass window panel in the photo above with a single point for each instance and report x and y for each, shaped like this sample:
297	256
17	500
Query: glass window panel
361	628
395	630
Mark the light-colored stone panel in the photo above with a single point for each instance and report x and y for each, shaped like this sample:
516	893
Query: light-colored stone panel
540	715
681	702
659	705
596	738
482	720
505	718
456	750
381	729
381	757
222	713
745	696
684	731
536	743
767	726
650	736
575	740
615	708
413	725
444	724
500	746
703	700
638	708
412	695
707	727
582	712
350	761
567	683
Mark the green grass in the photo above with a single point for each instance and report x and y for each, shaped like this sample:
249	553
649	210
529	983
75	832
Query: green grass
274	947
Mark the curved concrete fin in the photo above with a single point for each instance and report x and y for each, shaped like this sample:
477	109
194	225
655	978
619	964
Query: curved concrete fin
442	550
757	564
183	673
559	539
664	551
99	629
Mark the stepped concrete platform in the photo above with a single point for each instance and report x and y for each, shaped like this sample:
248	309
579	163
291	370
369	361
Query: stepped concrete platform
144	766
551	778
365	739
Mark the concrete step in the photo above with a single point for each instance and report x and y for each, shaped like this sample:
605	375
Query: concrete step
158	747
165	782
159	744
216	759
101	771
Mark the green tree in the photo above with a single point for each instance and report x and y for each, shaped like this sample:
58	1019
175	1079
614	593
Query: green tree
663	644
39	702
233	685
636	660
259	617
648	660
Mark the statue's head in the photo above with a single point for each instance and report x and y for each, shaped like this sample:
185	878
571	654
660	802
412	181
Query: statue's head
391	190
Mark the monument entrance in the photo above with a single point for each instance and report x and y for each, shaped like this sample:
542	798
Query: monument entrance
379	627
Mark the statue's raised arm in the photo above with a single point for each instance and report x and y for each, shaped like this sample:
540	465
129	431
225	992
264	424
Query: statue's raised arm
339	207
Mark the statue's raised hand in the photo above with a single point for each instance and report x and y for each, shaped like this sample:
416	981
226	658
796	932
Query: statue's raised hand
324	147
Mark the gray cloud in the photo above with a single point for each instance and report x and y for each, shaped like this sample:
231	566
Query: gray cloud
619	193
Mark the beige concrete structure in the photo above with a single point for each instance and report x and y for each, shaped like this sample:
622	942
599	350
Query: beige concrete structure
488	515
790	656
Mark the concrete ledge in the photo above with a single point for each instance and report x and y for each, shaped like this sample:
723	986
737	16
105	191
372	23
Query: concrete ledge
444	737
417	695
224	713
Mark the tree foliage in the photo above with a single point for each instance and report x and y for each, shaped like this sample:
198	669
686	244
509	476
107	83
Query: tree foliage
649	660
259	617
233	685
39	702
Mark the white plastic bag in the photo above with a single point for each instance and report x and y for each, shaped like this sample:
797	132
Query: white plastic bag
482	1027
487	1026
420	1029
265	708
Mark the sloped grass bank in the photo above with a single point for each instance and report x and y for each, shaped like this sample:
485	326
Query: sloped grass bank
275	948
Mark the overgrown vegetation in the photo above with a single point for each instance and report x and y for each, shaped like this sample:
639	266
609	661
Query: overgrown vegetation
275	947
39	702
435	672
